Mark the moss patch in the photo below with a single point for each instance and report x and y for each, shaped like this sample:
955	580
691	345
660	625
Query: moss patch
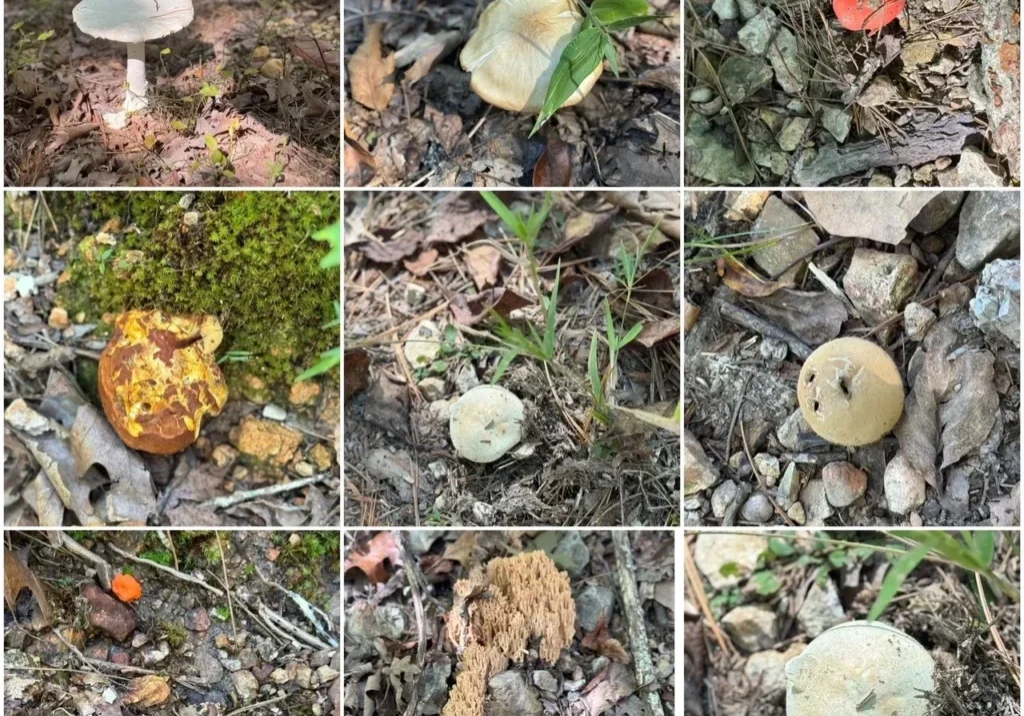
249	259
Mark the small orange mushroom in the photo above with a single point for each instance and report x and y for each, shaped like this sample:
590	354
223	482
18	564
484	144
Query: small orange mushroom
126	587
159	378
868	15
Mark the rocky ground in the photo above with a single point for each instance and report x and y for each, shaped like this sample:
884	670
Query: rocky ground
184	646
247	95
399	592
422	273
269	458
422	125
782	94
933	278
754	602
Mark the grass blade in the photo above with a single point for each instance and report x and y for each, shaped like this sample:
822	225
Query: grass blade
631	336
579	58
511	219
594	370
897	575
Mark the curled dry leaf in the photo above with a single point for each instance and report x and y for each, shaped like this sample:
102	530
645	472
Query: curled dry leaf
608	688
388	252
601	641
484	263
360	166
451	226
655	332
463	550
371	74
669	423
470	311
382	547
691	312
554	168
422	264
146	692
17	577
745	282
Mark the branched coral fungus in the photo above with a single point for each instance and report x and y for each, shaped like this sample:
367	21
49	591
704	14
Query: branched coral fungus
494	616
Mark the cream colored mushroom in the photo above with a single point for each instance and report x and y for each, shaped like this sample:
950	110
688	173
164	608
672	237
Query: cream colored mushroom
514	51
850	392
860	668
485	423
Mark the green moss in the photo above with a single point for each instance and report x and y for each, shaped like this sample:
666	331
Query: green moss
250	260
173	632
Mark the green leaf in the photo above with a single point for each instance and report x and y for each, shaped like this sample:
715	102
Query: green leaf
211	142
612	55
895	578
536	221
328	359
611	11
766	583
838	558
506	360
594	370
579	58
609	327
946	545
44	36
165	51
780	547
332	235
631	335
209	90
512	220
729	569
984	546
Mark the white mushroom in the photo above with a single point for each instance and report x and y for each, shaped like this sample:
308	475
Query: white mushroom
485	423
515	50
133	22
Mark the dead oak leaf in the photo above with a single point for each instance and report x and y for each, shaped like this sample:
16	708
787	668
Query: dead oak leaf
357	372
655	332
451	227
484	263
470	311
387	252
421	265
601	641
371	74
382	547
463	550
745	282
318	54
17	577
146	692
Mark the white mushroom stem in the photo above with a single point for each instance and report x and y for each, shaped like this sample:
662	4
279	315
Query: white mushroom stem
135	98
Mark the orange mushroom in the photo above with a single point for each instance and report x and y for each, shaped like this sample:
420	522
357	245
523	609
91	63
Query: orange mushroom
159	378
868	15
126	587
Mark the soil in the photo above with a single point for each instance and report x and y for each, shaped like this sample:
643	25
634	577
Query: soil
741	375
780	94
595	672
977	659
213	652
418	257
246	95
426	127
83	258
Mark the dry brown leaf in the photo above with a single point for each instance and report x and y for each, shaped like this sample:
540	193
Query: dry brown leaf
655	332
388	252
451	226
360	166
146	692
614	683
470	311
382	547
484	263
812	316
602	642
421	265
554	168
691	313
463	550
357	372
745	282
371	74
17	577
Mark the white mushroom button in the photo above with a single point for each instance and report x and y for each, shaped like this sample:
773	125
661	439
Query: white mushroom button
515	49
485	423
133	22
860	669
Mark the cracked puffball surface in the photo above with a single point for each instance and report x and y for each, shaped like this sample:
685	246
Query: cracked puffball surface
158	379
858	669
515	49
850	392
485	423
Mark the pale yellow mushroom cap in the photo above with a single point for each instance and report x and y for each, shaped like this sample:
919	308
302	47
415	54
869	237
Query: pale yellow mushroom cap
850	392
514	51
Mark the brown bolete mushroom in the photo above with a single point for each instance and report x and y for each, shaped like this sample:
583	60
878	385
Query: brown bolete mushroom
850	392
159	378
515	49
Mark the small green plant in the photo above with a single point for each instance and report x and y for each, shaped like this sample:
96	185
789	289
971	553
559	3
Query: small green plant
221	613
159	556
235	357
332	259
516	343
616	343
173	632
103	259
27	49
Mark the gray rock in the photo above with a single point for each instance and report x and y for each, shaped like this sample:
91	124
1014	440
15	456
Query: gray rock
709	156
414	294
795	434
757	32
433	684
752	628
232	665
815	503
917	321
797	514
940	209
722	497
510	695
792	134
995	307
420	541
757	509
766	670
879	284
821	609
844	483
793	237
904	486
274	412
726	9
466	380
789	487
545	681
699	474
742	76
246	686
789	63
975	170
989	228
592	603
881	216
957	496
155	654
432	388
712	552
423	344
571	554
836	122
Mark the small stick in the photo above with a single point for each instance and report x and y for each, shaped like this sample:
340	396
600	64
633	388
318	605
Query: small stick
250	707
643	666
807	254
170	570
735	417
246	496
227	587
290	628
751	321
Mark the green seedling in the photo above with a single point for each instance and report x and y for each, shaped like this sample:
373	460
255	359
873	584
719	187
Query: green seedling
331	260
616	342
515	342
526	227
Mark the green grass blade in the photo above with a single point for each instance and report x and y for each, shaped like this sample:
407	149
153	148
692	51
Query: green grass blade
506	360
612	11
946	545
609	327
578	60
895	578
631	335
595	371
328	359
512	220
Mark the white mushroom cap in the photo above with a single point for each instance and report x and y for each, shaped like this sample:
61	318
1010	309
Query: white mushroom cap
515	49
485	423
132	21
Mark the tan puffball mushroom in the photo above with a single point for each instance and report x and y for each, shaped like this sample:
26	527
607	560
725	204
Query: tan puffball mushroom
485	423
850	392
514	51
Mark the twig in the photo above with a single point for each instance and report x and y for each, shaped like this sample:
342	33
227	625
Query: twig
170	570
250	707
288	627
996	636
735	417
227	587
643	666
750	320
240	497
940	268
103	569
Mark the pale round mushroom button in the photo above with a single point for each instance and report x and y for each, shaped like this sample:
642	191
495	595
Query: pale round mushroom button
485	423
